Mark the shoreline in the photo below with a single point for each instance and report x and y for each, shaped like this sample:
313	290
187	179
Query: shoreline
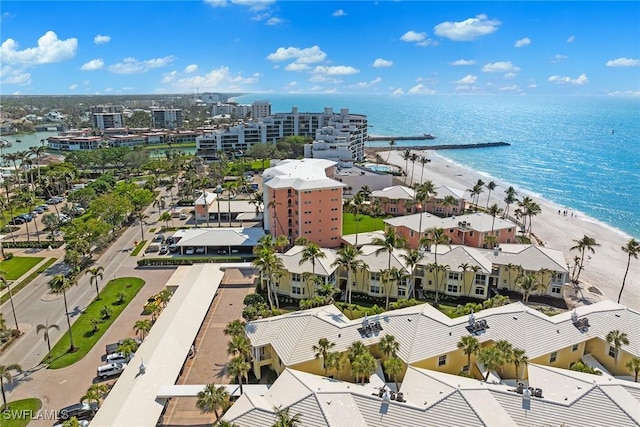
604	269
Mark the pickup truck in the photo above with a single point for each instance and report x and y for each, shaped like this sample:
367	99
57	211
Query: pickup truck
153	247
113	348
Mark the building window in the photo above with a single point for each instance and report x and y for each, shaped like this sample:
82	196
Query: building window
402	292
452	288
453	275
575	347
442	360
375	276
479	290
295	277
555	290
553	357
393	210
612	351
481	279
296	290
374	289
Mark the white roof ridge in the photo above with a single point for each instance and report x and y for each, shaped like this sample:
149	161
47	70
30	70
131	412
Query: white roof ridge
601	387
472	407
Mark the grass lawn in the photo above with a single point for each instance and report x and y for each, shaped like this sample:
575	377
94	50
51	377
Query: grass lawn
83	336
365	223
20	413
16	288
18	265
138	248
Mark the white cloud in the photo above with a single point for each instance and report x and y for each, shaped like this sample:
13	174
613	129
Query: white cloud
94	64
510	75
274	20
335	70
427	80
255	5
469	79
462	62
73	87
624	93
382	63
169	77
220	78
307	55
319	78
419	39
509	88
370	83
580	80
398	91
558	58
532	86
192	68
296	66
133	66
571	39
50	49
500	67
623	62
339	12
468	29
316	88
9	75
100	39
523	42
421	89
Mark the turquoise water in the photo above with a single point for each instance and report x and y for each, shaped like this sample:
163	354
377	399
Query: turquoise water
580	152
378	168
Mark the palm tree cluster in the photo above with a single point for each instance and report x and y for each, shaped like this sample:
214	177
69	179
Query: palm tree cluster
238	346
434	237
362	362
213	399
583	245
527	208
270	264
494	356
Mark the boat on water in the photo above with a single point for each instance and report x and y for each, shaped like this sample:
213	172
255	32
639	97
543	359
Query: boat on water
18	140
5	143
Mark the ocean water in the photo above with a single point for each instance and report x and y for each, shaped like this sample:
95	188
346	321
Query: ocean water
579	152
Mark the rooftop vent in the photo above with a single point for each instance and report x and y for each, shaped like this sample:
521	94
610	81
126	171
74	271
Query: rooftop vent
369	329
477	327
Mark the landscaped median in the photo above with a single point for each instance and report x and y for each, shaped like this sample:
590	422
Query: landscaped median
138	248
14	267
16	288
94	322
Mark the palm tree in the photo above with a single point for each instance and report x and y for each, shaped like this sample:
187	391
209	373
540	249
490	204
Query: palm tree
312	253
166	217
95	393
128	347
510	199
45	328
617	339
447	203
406	155
269	262
493	211
239	345
59	285
356	348
283	419
347	259
510	267
490	186
585	244
322	350
506	350
528	283
238	368
435	236
335	361
257	200
413	159
389	346
142	328
423	193
632	249
357	202
469	345
518	358
141	216
37	152
236	327
5	284
213	398
392	144
390	241
544	283
411	259
97	274
491	358
393	367
423	161
634	366
5	374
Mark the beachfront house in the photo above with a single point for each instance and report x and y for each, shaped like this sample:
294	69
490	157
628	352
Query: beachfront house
468	230
396	200
446	201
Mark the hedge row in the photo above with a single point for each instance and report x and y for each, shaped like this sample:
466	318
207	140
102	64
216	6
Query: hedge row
33	244
189	261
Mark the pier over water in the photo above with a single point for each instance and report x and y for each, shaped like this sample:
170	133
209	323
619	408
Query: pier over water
400	138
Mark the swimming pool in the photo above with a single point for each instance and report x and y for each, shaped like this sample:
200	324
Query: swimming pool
378	168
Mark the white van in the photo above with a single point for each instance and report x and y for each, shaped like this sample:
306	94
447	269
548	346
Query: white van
119	358
110	369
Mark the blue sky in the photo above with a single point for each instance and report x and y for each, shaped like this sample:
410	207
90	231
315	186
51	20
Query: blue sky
384	47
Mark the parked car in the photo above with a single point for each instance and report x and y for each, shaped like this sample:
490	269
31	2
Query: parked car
163	249
200	250
34	214
169	241
81	411
158	238
113	348
189	251
119	358
153	247
173	248
183	215
26	217
39	209
110	370
17	221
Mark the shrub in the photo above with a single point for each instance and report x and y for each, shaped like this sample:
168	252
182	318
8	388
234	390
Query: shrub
8	256
105	312
122	296
37	245
253	299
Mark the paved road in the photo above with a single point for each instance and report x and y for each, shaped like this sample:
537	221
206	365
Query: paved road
34	305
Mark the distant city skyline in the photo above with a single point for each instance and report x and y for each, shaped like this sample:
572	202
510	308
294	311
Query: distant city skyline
393	48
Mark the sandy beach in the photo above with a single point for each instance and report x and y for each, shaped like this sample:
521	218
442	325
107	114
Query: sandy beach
604	269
